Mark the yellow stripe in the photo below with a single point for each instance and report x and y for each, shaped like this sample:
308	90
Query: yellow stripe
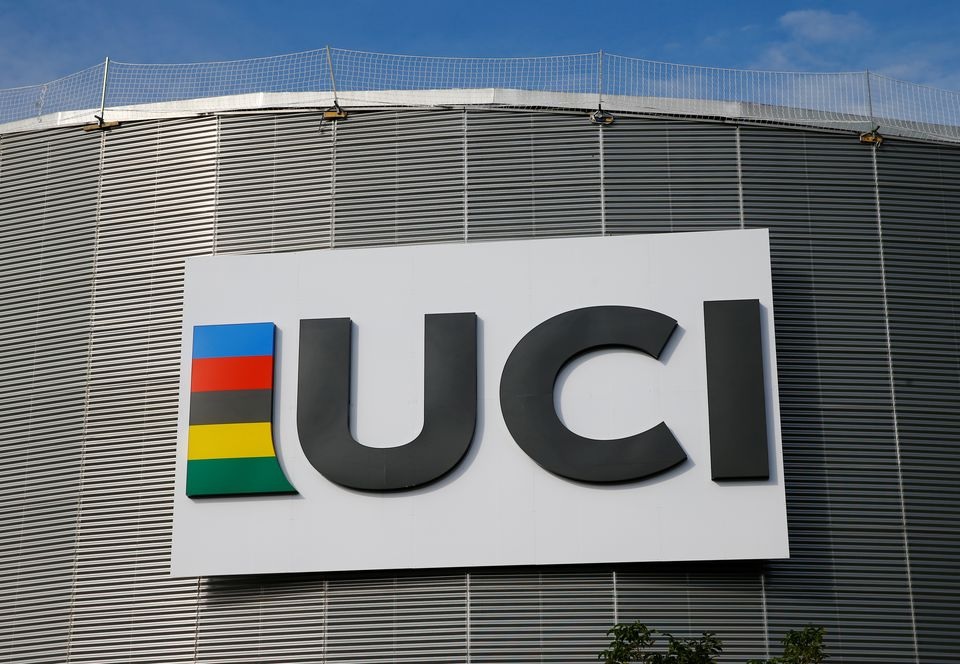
230	441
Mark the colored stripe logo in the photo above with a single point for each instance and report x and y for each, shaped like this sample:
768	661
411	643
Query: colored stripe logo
230	446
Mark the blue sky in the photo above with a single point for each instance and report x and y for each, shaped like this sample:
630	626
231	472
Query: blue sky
41	40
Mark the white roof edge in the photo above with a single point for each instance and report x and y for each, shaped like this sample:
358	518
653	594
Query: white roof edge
461	97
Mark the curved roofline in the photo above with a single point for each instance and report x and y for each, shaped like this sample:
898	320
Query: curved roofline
861	101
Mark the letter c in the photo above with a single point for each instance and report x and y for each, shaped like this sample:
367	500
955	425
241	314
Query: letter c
527	387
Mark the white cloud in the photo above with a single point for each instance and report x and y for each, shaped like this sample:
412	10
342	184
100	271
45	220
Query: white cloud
823	41
817	25
930	63
817	40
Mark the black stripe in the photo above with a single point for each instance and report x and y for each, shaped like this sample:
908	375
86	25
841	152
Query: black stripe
231	406
735	390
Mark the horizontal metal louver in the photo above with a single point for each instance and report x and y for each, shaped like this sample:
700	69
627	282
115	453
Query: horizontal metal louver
548	616
421	618
920	209
399	178
532	175
262	619
48	193
848	569
274	183
725	598
663	175
156	207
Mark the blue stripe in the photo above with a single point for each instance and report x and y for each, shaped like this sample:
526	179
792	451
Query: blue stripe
232	340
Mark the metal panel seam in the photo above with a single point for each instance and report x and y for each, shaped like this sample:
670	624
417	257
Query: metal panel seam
333	187
763	581
216	208
273	189
396	177
893	404
736	133
616	611
668	170
467	584
326	624
71	610
196	626
603	193
817	317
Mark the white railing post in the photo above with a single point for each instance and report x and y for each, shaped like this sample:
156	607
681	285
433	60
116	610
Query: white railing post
103	91
333	79
600	78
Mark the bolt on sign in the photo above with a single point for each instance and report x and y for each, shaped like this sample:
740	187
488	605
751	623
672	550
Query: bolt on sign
556	401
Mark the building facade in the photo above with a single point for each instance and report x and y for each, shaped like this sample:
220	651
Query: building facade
865	247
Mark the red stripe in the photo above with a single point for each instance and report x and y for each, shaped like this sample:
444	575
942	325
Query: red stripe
212	374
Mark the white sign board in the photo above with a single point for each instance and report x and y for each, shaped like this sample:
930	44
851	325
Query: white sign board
497	506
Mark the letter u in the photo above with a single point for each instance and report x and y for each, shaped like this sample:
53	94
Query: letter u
449	406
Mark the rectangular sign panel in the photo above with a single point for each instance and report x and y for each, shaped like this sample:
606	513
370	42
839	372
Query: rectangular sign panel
535	402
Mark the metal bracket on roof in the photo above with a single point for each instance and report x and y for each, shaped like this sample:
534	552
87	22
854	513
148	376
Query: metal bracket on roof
873	136
101	124
601	117
335	113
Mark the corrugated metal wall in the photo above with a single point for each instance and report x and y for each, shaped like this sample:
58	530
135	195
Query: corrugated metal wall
155	208
920	200
95	227
48	200
848	569
274	184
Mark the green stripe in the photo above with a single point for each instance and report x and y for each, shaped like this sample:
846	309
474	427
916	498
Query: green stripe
232	477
